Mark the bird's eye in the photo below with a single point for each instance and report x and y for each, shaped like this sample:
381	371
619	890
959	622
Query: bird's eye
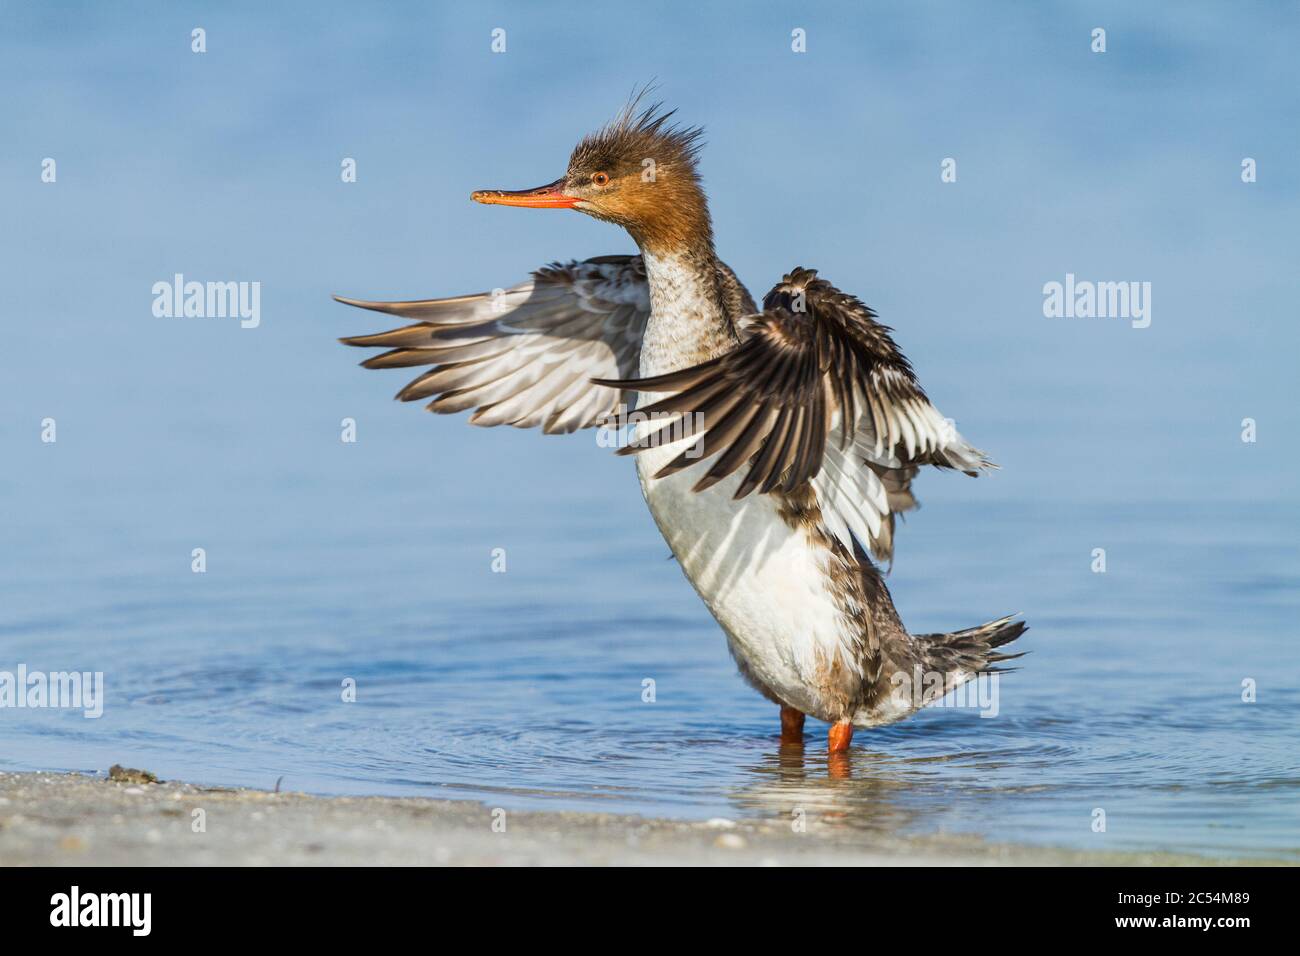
600	179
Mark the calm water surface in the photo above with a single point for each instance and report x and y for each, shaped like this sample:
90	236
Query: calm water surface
524	689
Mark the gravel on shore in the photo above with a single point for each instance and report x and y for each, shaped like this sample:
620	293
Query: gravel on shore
61	819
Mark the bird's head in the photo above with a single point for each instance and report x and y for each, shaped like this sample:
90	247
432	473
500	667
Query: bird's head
638	172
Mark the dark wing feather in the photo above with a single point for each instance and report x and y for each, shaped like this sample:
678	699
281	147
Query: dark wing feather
815	377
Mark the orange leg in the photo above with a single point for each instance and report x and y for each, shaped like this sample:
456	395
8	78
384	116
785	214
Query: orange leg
841	736
791	725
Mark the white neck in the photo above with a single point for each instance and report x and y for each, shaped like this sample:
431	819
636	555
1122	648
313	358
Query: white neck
687	323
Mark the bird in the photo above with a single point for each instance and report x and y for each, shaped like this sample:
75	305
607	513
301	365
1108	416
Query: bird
774	446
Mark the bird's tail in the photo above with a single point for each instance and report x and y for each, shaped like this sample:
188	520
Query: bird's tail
961	655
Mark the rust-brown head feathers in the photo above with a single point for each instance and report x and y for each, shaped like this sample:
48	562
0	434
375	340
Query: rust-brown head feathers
637	140
639	172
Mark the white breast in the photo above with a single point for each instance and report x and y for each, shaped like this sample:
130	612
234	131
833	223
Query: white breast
764	581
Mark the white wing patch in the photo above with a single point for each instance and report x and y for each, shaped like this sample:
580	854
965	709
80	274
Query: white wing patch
853	500
912	426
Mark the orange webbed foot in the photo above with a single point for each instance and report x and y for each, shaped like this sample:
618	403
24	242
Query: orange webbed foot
841	735
837	750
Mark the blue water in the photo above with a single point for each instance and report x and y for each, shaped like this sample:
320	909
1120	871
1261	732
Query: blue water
524	688
373	561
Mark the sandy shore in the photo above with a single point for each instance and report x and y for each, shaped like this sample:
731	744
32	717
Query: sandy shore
73	819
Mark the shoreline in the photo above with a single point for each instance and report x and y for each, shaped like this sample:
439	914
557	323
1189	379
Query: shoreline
70	819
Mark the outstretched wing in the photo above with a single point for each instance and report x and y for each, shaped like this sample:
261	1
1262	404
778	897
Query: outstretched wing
817	392
524	356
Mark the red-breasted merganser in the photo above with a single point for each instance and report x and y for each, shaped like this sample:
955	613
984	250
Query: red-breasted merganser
813	426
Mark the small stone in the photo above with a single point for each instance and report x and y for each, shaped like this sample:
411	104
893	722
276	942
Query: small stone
730	841
119	774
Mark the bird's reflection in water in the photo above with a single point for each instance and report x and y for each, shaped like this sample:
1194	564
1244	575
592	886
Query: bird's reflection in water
859	788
